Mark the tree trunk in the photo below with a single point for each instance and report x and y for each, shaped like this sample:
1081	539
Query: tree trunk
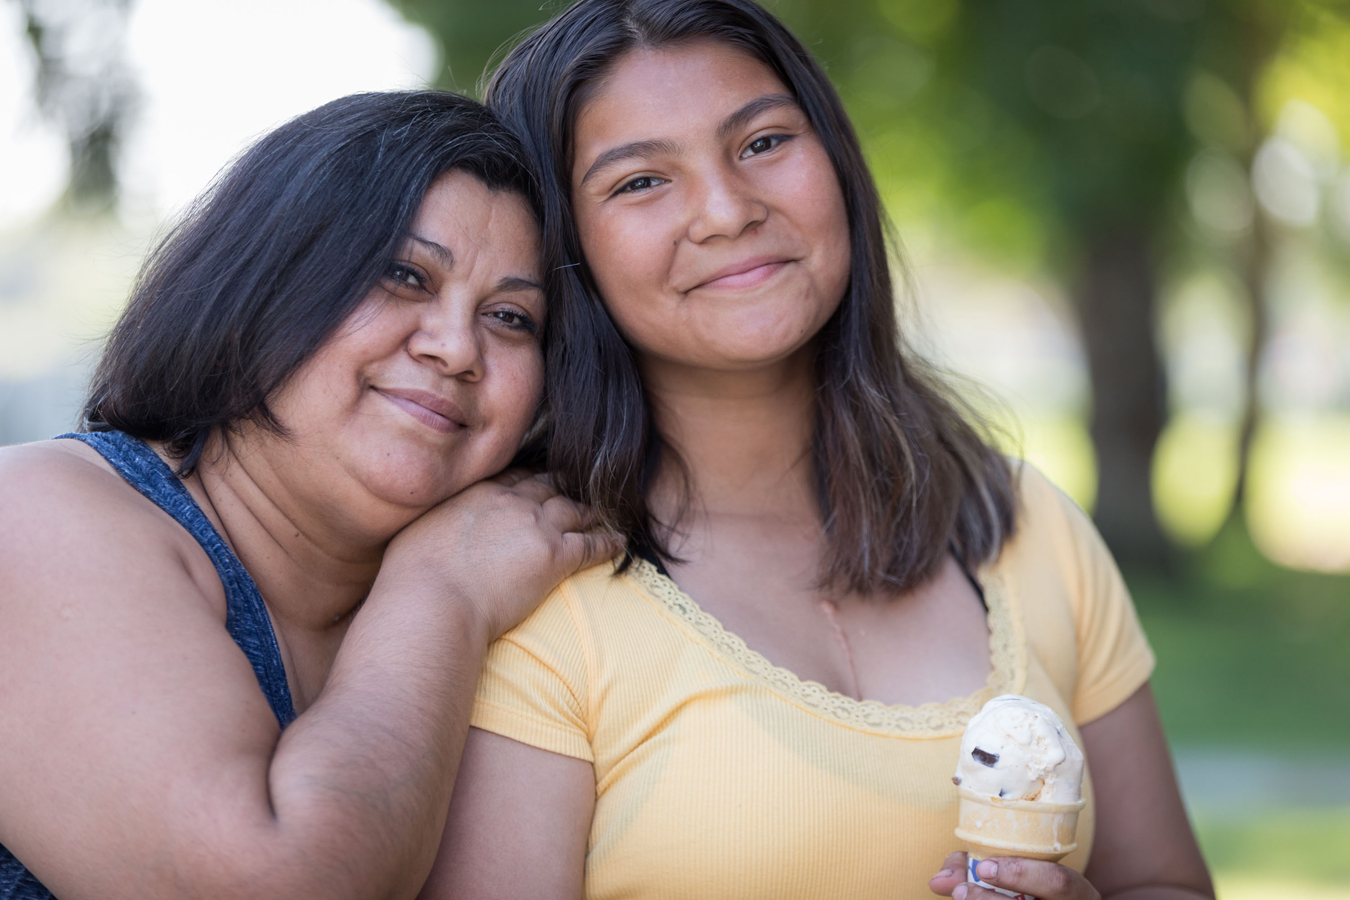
1255	268
85	84
1116	298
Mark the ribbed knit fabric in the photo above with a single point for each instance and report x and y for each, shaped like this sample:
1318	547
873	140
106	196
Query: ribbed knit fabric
719	774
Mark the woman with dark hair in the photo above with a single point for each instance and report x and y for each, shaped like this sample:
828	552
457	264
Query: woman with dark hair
286	427
830	569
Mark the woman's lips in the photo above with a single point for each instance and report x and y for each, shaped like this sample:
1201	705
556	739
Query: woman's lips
746	275
431	410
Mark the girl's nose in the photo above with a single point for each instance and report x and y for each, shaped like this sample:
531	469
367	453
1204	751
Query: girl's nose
725	207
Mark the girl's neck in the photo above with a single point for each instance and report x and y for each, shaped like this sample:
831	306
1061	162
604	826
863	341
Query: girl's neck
744	439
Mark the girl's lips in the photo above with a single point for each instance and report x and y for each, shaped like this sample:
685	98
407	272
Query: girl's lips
746	278
417	404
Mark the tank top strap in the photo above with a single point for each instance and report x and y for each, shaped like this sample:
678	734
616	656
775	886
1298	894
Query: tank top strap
246	616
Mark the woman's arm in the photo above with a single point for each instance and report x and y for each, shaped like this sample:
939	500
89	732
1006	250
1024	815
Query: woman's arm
1143	849
519	824
140	758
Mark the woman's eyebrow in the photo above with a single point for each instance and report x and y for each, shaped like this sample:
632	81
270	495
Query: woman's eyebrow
743	116
513	283
635	150
442	254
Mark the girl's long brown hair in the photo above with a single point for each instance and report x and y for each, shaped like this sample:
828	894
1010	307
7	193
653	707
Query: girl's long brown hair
903	477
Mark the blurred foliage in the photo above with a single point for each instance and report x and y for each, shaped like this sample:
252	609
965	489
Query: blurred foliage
1019	123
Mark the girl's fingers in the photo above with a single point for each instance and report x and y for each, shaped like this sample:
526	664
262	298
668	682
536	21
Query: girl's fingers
953	873
1043	880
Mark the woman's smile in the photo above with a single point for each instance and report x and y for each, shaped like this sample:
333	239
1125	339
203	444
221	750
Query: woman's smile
432	410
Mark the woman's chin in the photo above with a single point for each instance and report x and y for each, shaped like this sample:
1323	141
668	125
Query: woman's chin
417	484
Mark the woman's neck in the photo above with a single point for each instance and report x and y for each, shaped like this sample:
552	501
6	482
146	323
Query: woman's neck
311	554
744	439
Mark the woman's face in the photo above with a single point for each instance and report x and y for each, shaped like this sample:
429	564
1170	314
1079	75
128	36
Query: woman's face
431	384
709	213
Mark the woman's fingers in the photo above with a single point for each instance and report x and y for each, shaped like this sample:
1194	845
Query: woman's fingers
534	488
511	477
584	549
568	515
1043	880
953	873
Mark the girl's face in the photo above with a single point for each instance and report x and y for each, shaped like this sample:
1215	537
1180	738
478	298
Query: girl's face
431	384
709	213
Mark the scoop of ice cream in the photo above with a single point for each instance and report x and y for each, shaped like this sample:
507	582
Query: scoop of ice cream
1018	749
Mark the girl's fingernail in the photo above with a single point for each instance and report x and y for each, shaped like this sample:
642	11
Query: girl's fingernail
987	869
960	892
945	873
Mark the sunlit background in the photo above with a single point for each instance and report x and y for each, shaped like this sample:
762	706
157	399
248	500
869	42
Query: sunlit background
1127	224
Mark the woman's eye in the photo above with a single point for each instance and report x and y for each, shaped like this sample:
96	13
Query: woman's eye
405	276
763	145
515	320
641	183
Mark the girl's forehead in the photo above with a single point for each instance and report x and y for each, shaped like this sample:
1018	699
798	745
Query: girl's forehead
662	98
700	78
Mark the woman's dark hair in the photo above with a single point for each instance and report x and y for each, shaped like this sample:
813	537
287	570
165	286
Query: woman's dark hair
282	248
903	476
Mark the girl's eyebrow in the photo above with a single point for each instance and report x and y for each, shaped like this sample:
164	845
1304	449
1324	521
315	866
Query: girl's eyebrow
743	116
635	150
642	149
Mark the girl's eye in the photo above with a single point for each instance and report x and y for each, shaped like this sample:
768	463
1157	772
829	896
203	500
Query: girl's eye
517	321
763	145
405	276
641	183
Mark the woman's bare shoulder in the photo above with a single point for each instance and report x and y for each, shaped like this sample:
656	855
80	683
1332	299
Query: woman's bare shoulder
66	509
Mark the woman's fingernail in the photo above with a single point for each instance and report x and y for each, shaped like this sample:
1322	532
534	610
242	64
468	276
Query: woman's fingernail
945	873
960	892
987	869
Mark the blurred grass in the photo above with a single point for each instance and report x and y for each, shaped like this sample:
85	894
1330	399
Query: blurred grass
1279	888
1253	657
1309	846
1249	654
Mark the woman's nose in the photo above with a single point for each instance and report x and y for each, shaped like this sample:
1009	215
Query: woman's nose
446	339
724	207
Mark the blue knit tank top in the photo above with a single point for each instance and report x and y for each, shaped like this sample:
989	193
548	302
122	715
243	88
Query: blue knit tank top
245	616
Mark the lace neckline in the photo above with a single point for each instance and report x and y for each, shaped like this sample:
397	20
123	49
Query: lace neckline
1007	657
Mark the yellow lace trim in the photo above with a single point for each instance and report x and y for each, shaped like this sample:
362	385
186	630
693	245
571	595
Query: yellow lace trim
1007	655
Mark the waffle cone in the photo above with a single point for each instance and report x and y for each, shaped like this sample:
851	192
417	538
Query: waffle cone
1032	829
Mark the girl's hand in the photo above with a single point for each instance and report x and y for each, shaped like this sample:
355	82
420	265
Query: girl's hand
1042	880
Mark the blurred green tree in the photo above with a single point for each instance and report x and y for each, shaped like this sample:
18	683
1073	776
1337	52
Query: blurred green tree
1054	134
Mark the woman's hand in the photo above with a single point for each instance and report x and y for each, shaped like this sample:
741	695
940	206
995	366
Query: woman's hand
500	545
1042	880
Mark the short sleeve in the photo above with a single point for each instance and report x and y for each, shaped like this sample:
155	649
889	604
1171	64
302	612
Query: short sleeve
534	683
1114	657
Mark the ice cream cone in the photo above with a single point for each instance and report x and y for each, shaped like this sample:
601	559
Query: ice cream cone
1032	829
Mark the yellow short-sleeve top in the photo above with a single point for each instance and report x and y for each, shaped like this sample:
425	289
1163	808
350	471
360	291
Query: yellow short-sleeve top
718	774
